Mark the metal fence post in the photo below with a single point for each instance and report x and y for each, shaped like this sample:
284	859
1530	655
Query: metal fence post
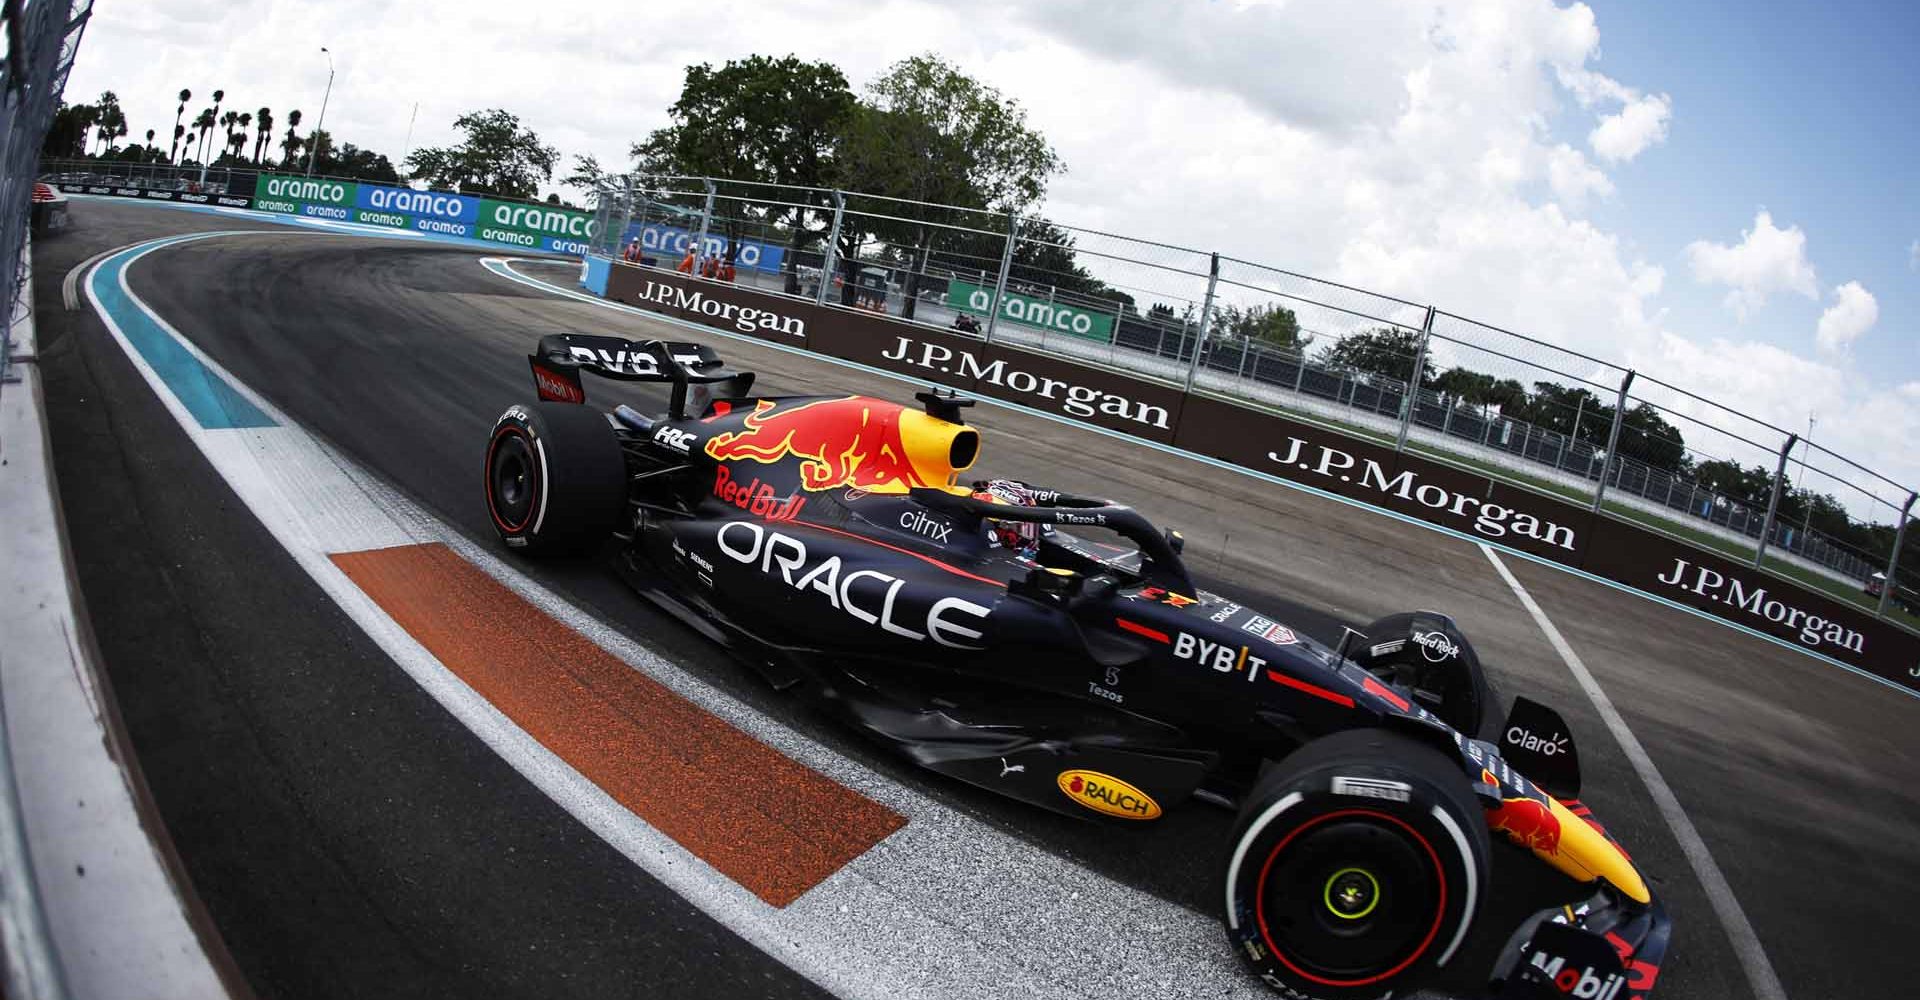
1006	264
626	220
1893	561
833	245
1206	317
1773	499
1613	439
706	217
1413	390
641	235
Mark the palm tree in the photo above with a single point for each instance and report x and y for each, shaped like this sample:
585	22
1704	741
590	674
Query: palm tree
203	124
227	122
113	125
185	96
218	96
110	118
237	143
150	149
213	120
291	144
263	120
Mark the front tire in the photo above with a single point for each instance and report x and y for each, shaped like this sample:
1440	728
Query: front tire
556	478
1358	867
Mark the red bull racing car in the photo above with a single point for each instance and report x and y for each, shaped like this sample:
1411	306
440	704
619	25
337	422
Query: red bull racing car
1054	648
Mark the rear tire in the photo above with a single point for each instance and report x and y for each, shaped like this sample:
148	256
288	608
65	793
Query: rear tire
556	478
1358	867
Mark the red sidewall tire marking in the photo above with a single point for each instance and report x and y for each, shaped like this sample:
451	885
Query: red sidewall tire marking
533	500
1260	899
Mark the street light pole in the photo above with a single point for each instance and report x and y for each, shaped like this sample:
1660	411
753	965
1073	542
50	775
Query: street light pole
323	112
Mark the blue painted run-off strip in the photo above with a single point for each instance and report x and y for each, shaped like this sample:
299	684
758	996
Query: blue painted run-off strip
214	403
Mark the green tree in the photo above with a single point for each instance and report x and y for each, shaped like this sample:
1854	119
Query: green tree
320	152
1647	436
498	156
1747	485
763	119
360	164
929	133
588	175
67	134
1386	351
1272	324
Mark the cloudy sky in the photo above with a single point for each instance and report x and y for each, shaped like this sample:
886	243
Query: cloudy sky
1722	195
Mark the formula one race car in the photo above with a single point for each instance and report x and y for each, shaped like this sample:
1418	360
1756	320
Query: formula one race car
1053	648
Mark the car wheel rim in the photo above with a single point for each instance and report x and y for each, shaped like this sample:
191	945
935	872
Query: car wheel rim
1351	893
1351	899
511	481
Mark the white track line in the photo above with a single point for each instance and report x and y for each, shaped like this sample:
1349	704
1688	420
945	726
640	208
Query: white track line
1753	958
947	906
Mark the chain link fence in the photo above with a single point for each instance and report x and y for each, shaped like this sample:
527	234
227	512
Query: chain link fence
41	39
1404	373
150	176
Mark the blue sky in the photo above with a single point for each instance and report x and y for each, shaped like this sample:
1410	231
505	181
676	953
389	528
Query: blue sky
1541	165
1810	110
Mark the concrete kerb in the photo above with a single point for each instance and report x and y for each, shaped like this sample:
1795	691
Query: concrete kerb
503	267
112	919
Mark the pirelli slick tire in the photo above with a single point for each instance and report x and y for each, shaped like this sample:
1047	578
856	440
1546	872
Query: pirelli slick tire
1357	868
556	479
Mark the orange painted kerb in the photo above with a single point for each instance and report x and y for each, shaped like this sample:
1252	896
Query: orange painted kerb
764	820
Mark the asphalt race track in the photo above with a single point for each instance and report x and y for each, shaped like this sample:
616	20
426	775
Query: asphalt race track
349	837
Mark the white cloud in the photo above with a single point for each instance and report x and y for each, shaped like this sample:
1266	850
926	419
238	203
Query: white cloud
1913	256
1854	311
1641	123
1766	260
1572	179
1872	425
1443	151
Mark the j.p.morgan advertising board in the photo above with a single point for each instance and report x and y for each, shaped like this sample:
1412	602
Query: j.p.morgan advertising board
1470	504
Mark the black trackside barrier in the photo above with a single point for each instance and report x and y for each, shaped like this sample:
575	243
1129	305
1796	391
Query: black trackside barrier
1298	451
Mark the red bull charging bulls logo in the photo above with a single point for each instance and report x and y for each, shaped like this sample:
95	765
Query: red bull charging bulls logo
858	442
1527	823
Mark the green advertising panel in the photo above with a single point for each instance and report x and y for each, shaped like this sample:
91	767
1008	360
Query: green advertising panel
317	197
537	227
1029	311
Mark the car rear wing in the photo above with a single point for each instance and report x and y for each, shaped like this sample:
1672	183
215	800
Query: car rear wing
559	359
